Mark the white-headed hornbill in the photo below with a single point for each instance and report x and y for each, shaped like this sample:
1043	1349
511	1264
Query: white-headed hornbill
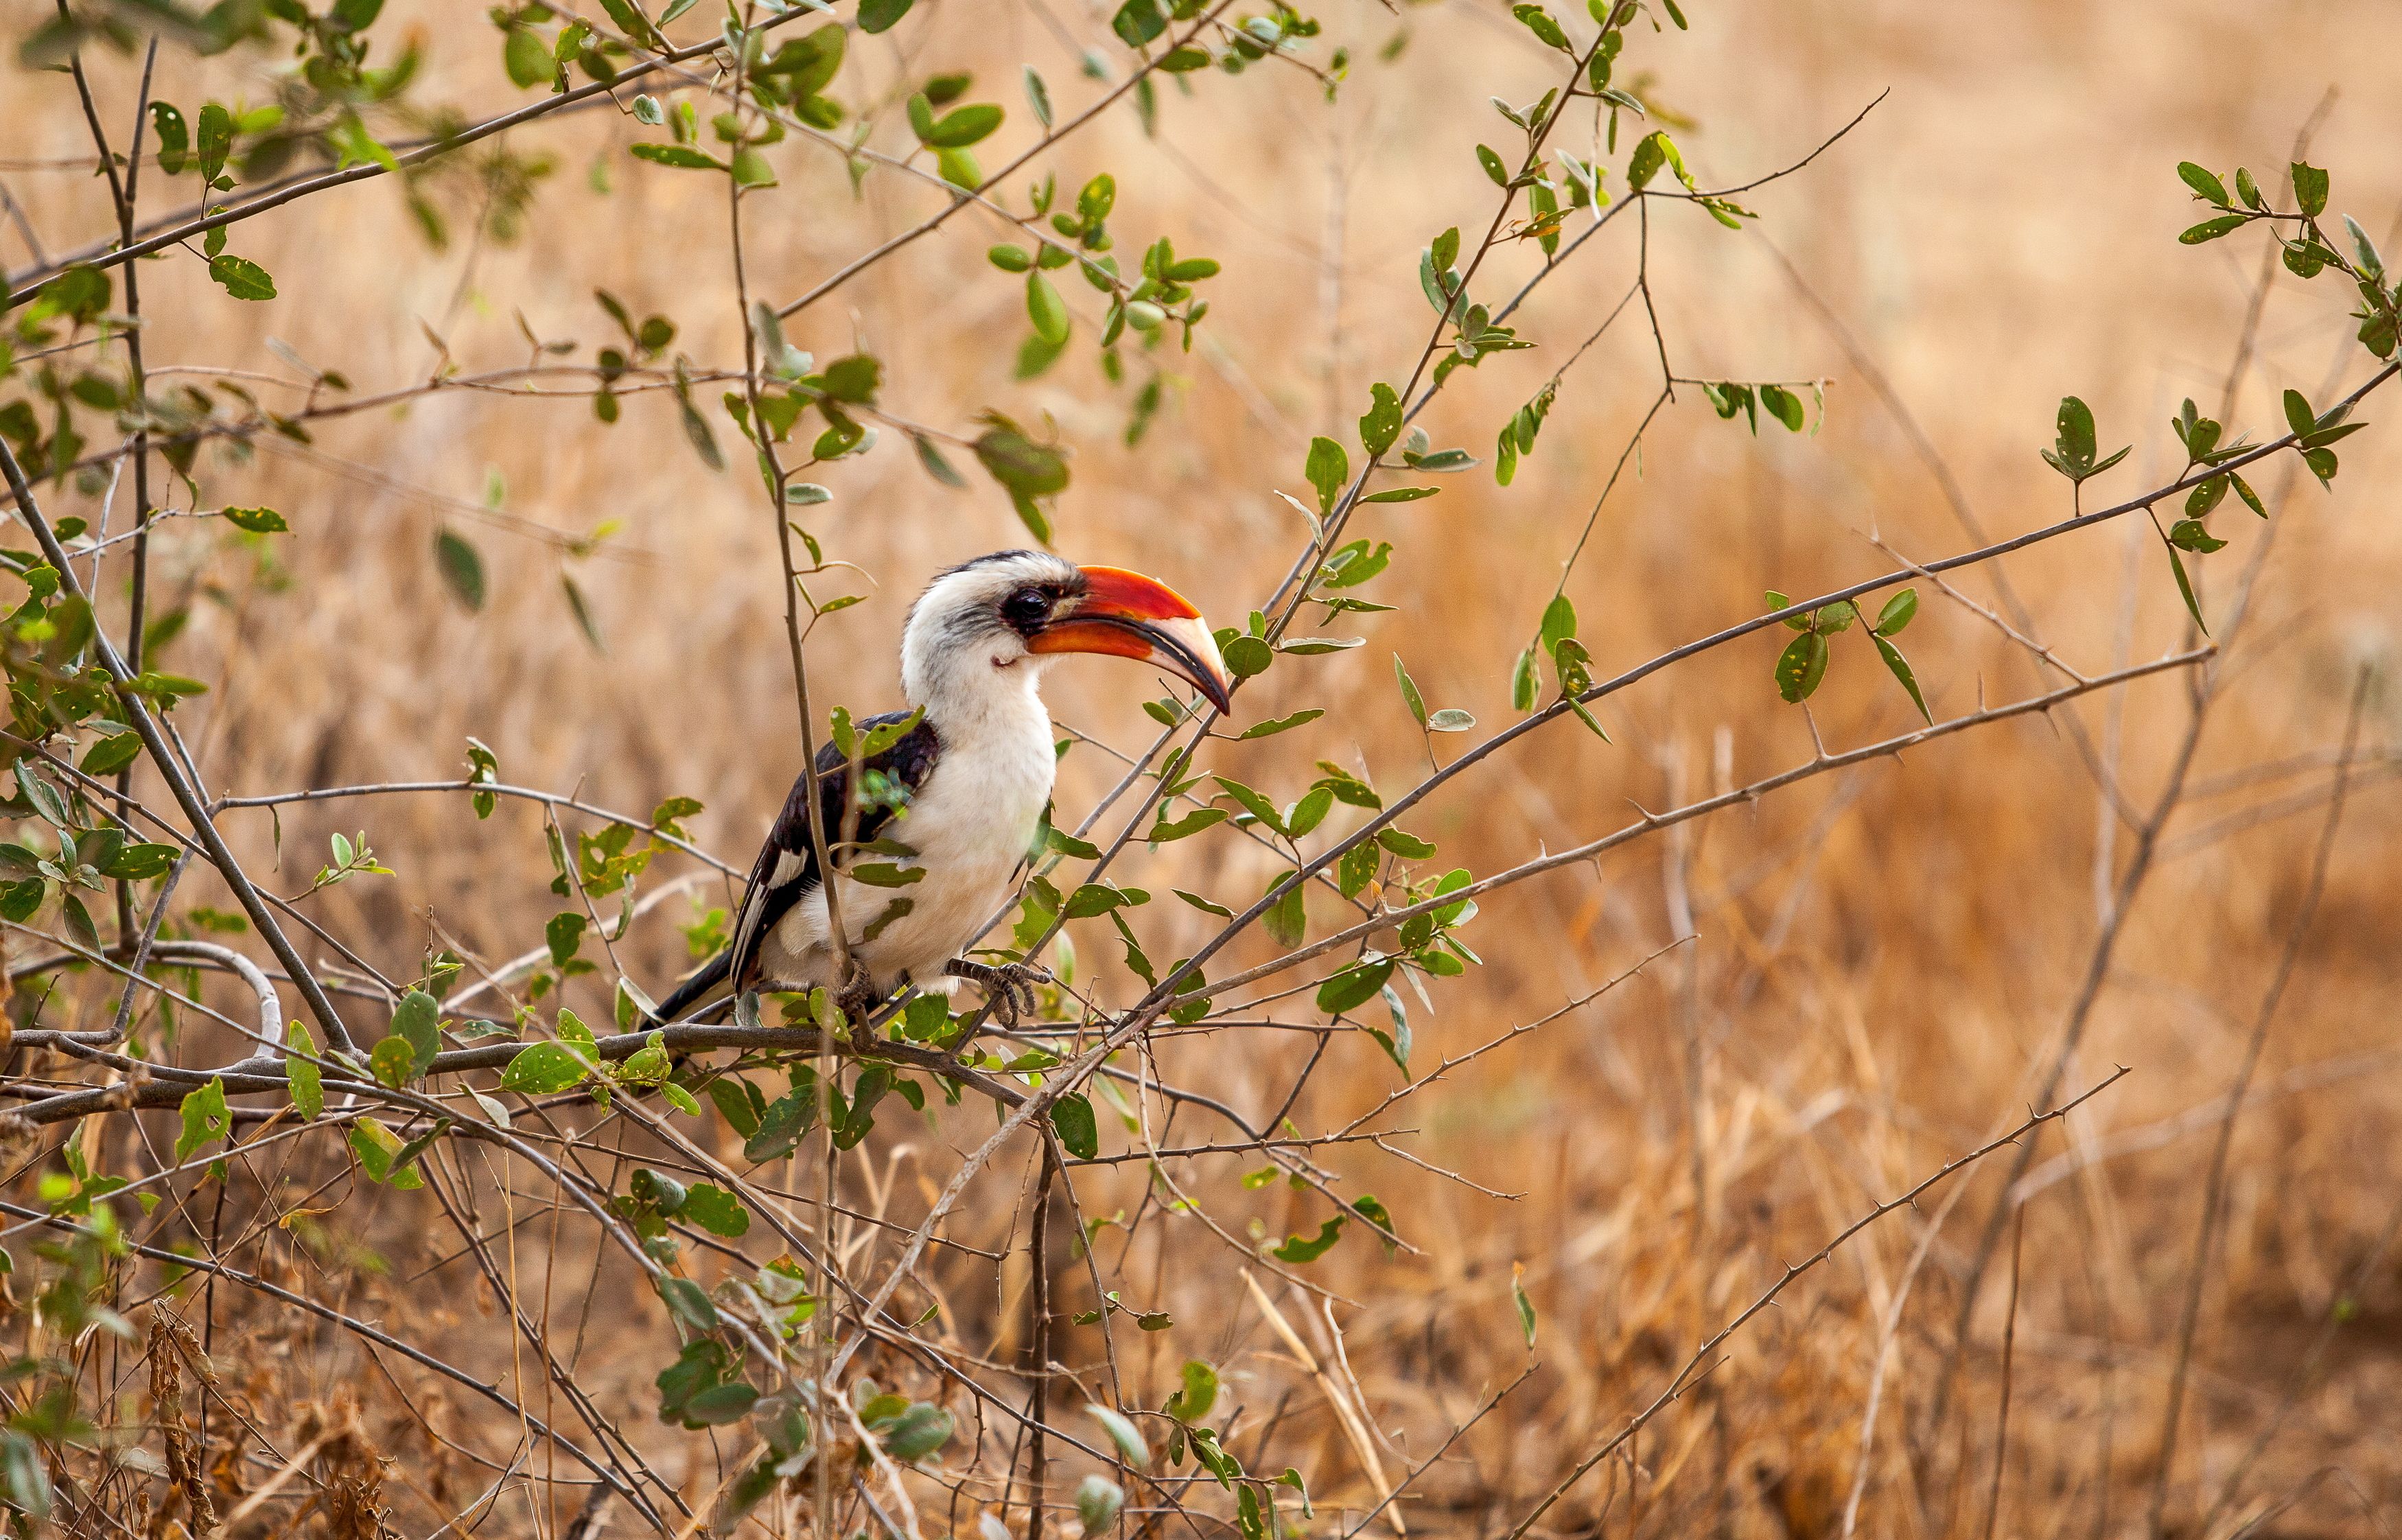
959	795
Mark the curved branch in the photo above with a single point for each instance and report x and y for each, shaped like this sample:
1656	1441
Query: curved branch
154	741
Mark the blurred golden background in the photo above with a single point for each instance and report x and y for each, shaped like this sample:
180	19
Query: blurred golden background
1883	957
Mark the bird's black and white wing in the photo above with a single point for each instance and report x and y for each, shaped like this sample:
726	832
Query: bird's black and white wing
786	870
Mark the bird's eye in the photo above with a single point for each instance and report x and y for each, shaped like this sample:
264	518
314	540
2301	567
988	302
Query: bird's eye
1026	607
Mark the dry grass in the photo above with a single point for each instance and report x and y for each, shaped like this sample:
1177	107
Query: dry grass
1884	957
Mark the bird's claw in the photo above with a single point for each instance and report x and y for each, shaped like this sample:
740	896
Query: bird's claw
858	997
1008	987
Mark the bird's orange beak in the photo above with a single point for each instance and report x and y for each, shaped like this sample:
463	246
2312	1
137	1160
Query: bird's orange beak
1125	614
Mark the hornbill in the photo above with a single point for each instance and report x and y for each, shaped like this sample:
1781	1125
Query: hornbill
958	796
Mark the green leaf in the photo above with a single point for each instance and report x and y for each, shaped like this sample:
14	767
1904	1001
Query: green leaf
687	1304
1354	986
2211	229
918	1433
205	1118
1650	153
877	16
2184	588
934	464
629	21
807	65
1137	22
241	277
2309	188
2204	184
965	126
174	138
2075	427
541	1068
1072	1115
737	1102
781	1124
1046	309
872	1082
1191	823
1801	667
682	155
307	1082
1206	906
1525	681
111	754
1099	898
564	933
1287	918
752	170
259	521
1410	696
462	567
1357	564
1307	1248
721	1405
18	899
715	1210
1279	724
216	139
1493	167
1897	613
417	1023
648	1065
1400	494
1899	668
1538	21
525	58
1382	424
1783	404
1198	1394
2188	534
43	797
378	1151
1246	657
1329	469
1526	1306
1309	811
2298	416
1559	622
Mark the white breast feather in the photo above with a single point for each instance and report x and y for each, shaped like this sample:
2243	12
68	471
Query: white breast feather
971	824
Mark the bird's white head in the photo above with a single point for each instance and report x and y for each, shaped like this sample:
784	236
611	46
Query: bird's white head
983	631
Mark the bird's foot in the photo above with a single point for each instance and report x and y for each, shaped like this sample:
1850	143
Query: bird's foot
858	997
1008	987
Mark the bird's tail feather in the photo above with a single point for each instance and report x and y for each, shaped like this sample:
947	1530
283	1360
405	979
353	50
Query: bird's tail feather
680	1000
